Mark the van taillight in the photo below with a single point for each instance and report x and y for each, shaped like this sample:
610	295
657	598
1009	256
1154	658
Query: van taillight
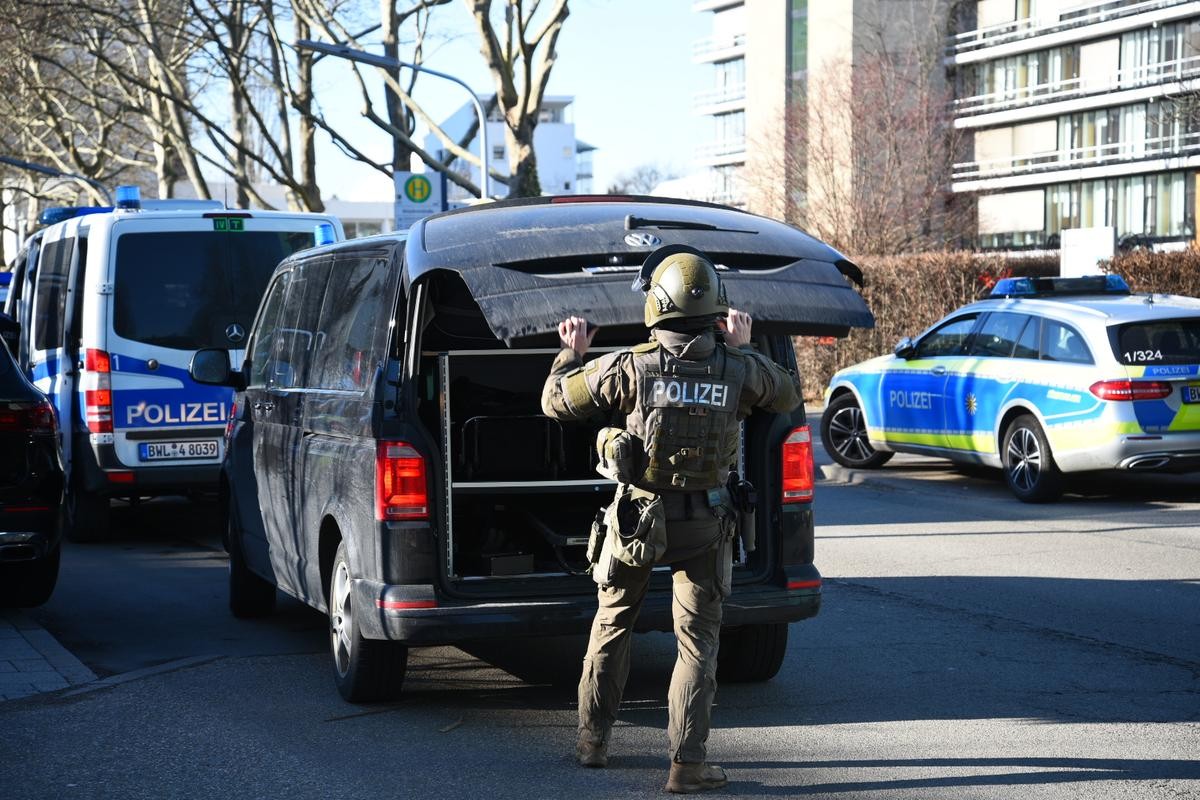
35	417
96	383
1131	390
400	489
798	466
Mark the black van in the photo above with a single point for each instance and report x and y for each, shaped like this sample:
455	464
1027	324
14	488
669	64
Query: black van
387	461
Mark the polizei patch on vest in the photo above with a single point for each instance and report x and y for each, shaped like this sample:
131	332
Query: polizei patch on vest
678	392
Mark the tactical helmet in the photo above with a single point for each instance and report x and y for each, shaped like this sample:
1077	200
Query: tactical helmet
680	281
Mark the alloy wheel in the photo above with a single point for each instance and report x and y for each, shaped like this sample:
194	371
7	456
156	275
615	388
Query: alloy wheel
848	434
1024	459
341	618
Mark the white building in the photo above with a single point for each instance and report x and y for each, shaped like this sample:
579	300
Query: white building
359	217
1079	115
564	163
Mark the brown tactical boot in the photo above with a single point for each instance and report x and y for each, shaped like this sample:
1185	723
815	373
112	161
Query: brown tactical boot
689	778
591	754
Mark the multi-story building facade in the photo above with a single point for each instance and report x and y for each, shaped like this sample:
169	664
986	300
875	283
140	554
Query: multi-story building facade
564	162
755	52
1078	115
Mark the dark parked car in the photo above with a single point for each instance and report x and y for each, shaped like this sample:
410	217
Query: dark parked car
31	490
388	460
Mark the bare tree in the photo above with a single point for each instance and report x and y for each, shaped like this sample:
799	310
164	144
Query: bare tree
640	180
520	67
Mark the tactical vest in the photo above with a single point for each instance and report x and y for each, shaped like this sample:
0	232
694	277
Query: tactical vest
686	416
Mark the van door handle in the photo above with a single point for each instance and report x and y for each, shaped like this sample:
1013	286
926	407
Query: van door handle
938	370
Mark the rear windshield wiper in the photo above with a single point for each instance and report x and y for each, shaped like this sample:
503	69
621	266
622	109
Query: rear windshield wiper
632	223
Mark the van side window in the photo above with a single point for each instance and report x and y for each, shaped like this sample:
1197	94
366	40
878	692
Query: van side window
354	326
263	352
50	297
298	321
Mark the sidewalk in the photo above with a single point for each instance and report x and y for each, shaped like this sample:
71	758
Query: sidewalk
32	661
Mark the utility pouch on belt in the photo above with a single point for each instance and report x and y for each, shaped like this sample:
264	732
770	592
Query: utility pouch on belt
596	537
617	454
637	526
745	501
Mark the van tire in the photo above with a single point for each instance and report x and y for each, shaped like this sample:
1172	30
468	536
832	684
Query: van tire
89	515
364	670
752	653
29	583
249	595
1029	467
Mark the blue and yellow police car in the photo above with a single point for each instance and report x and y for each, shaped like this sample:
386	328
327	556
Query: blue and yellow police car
1044	377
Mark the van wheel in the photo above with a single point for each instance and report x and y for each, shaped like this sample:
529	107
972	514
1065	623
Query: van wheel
844	434
28	584
1029	466
365	670
249	595
88	515
751	653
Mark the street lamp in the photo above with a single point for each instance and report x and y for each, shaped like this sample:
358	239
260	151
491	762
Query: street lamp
56	173
350	54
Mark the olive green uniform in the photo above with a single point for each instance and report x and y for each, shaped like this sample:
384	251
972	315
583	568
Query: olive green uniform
699	537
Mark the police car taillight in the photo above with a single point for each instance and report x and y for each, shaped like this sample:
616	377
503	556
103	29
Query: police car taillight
1131	390
798	466
400	487
96	383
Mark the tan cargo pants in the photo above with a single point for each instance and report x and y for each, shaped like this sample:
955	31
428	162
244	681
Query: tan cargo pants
700	581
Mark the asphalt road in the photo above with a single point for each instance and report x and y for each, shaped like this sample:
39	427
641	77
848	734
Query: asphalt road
969	647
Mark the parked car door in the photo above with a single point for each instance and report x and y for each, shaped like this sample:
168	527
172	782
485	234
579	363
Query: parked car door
976	394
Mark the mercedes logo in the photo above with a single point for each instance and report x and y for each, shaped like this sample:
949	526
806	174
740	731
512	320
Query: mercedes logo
642	240
235	332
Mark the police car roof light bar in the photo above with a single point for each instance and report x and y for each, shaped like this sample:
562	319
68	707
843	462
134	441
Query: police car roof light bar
323	234
50	216
1058	287
128	198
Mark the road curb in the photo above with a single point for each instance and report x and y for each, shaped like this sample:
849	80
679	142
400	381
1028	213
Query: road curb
32	661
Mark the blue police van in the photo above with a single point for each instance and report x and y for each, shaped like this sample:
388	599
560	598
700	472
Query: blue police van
112	304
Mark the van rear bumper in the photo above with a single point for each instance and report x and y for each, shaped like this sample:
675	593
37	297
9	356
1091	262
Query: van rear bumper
394	613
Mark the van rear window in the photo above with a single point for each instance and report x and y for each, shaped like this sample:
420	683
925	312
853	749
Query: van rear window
1171	341
185	290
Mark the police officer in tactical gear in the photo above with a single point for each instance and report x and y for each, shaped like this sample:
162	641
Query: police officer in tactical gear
680	397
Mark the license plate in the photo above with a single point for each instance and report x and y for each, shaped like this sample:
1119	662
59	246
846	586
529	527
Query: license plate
1191	393
163	451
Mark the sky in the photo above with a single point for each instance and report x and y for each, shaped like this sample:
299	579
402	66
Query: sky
627	63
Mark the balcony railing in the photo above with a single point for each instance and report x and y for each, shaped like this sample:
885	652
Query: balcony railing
1092	155
715	97
1129	78
1075	16
721	148
704	48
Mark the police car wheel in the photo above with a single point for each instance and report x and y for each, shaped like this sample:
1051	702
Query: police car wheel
751	653
844	434
88	516
364	670
1029	466
249	595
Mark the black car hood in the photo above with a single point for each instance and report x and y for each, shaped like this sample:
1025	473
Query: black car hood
529	265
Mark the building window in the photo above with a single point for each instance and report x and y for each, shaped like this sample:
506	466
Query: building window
497	152
566	186
355	229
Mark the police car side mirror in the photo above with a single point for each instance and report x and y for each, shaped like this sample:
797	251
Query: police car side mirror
905	348
212	367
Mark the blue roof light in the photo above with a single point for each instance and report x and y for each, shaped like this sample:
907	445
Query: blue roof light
324	234
5	278
1057	287
128	197
50	216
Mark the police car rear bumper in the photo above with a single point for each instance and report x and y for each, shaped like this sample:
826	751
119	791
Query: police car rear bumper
104	473
415	615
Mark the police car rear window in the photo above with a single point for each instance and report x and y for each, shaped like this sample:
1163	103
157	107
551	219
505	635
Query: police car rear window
188	290
1172	341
